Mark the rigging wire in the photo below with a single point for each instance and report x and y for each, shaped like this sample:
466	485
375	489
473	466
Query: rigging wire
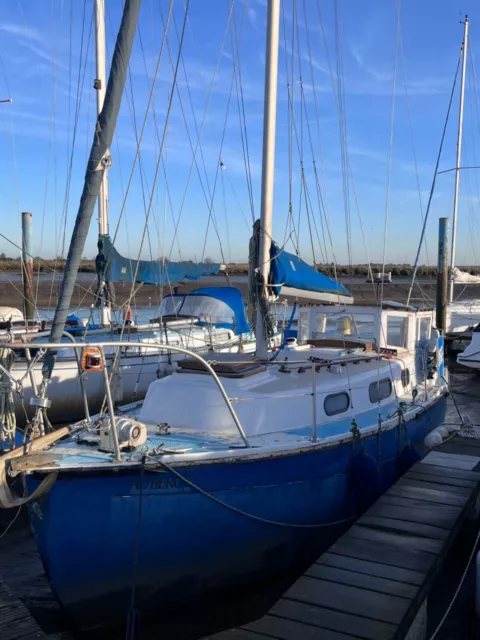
142	130
167	119
349	166
211	214
322	204
434	179
222	166
343	126
290	229
475	117
195	149
468	183
242	117
390	149
80	83
412	137
308	202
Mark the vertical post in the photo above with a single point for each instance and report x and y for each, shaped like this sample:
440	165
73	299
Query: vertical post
314	402
268	158
459	155
111	408
100	85
442	275
27	265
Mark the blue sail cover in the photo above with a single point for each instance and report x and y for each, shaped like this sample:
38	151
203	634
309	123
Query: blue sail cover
221	306
289	270
116	268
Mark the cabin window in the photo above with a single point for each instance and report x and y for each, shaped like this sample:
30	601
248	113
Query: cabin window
397	329
379	390
303	334
423	325
319	322
405	377
336	403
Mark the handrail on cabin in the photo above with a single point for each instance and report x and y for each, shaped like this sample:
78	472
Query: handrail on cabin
100	345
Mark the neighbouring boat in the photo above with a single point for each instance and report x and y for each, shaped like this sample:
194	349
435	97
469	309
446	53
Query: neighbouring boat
205	320
462	315
234	469
137	367
471	356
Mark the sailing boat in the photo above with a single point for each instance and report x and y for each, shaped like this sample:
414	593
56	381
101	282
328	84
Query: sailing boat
233	470
216	320
462	315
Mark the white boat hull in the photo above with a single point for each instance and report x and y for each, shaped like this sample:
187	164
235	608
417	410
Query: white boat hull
462	316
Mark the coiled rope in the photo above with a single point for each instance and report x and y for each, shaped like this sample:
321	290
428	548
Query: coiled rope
8	423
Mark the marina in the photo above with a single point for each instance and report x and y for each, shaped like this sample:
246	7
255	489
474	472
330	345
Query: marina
239	395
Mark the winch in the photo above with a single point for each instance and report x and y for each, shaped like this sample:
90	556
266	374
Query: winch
130	434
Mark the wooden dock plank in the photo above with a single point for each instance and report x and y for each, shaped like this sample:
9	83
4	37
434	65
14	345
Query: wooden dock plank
384	523
447	514
372	582
285	629
472	443
341	597
333	620
453	456
428	495
401	540
424	483
384	553
16	623
444	471
438	479
361	580
238	634
367	567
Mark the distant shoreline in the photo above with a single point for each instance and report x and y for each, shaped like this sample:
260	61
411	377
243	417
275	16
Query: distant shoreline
13	265
46	290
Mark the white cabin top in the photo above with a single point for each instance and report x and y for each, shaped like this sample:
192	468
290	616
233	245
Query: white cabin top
12	316
395	326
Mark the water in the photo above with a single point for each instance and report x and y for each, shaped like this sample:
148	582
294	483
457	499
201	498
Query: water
7	276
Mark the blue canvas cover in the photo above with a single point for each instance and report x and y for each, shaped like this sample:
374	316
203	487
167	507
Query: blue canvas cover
289	270
116	268
221	306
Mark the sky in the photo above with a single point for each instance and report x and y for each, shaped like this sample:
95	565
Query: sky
363	91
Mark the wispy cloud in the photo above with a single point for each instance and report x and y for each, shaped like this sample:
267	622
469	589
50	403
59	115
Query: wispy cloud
359	57
383	80
21	31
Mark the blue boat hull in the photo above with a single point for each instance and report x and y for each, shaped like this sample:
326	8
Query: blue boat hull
100	533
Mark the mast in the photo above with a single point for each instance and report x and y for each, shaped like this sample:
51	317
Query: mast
459	156
100	85
268	159
102	139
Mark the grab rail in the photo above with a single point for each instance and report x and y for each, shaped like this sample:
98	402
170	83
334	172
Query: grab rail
100	346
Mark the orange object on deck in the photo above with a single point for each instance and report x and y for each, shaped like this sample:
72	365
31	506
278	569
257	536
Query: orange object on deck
92	360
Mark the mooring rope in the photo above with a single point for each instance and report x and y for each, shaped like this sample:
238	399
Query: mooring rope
240	511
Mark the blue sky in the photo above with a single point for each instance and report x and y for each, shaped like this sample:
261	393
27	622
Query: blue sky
47	51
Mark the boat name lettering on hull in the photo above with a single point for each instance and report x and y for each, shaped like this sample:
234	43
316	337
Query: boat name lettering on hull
156	484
